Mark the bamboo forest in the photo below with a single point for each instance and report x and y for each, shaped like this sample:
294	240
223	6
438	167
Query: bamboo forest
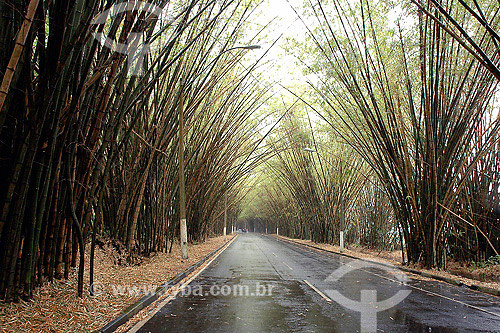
165	128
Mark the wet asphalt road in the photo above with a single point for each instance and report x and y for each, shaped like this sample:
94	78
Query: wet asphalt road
258	284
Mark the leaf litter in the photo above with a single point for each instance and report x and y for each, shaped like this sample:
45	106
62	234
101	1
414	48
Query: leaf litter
56	308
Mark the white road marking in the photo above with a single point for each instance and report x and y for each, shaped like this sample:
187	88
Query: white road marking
177	290
318	291
428	291
288	266
401	283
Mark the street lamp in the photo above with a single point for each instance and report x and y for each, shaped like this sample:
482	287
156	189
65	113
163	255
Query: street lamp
247	47
182	182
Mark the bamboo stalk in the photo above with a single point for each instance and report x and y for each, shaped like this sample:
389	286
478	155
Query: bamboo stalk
16	55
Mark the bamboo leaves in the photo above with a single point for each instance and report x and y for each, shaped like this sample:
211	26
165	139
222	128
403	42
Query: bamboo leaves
413	119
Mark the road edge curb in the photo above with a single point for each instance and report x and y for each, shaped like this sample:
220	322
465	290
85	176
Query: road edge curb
456	282
143	302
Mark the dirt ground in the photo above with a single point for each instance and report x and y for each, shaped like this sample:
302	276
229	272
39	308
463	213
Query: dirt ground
55	307
487	277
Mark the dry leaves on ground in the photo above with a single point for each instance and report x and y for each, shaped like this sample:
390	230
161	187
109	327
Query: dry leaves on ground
55	307
467	275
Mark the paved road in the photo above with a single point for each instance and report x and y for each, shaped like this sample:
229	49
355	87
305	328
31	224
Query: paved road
285	283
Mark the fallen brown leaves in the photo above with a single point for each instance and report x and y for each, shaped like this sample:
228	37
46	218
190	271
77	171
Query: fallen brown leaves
55	307
149	311
393	257
466	275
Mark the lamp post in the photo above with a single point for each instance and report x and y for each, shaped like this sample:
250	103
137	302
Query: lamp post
182	182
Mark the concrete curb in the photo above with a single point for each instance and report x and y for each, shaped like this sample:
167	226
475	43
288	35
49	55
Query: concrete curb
456	282
133	309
